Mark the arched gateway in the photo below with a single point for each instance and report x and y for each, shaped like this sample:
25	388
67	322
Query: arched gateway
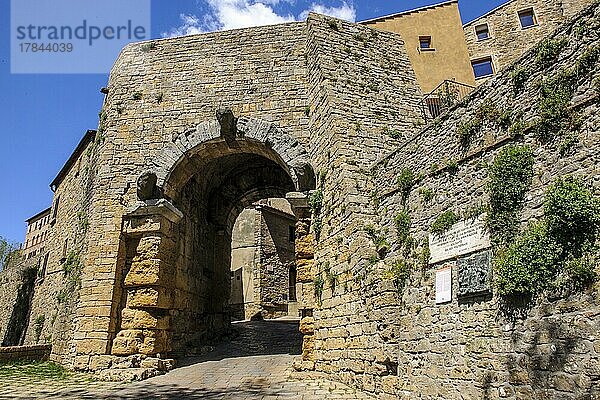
176	242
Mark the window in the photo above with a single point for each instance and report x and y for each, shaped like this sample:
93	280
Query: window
42	271
292	233
482	31
55	210
527	18
425	43
482	67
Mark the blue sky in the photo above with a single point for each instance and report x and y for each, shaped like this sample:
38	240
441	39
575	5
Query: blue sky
43	116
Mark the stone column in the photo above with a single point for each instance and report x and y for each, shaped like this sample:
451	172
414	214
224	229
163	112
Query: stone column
149	282
305	270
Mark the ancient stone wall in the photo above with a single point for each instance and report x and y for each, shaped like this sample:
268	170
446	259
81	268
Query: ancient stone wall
277	255
57	290
507	40
478	348
365	100
262	254
17	283
245	239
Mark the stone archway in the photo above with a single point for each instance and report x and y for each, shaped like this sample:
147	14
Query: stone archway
177	240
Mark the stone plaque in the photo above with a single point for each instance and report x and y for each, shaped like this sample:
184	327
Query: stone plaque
474	274
463	238
443	285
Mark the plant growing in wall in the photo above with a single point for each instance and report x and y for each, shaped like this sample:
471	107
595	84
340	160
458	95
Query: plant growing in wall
425	254
402	222
452	167
400	273
558	252
444	222
406	181
379	240
510	178
39	326
556	119
315	202
519	77
466	131
427	194
549	50
319	283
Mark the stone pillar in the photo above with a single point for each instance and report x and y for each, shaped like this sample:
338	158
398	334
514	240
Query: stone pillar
149	282
305	272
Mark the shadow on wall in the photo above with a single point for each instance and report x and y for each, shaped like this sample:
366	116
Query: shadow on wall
19	317
545	340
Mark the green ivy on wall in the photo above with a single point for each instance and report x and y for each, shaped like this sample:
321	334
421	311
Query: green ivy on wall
558	252
444	222
510	178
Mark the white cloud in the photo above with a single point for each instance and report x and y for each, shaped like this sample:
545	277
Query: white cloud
190	26
346	11
233	14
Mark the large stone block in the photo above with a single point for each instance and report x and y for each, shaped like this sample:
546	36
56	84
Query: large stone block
305	270
144	273
150	297
127	342
307	325
155	342
308	348
305	247
143	319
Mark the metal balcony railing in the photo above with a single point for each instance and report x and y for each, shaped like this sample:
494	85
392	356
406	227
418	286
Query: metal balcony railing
443	97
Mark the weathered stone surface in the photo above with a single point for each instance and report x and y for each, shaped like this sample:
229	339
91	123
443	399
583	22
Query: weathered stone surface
127	375
307	325
305	246
150	297
127	342
143	319
305	269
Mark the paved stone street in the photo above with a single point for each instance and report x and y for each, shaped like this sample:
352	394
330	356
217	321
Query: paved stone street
254	365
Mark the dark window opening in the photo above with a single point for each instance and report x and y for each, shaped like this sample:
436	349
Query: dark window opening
292	233
483	68
482	31
55	209
527	18
292	284
425	43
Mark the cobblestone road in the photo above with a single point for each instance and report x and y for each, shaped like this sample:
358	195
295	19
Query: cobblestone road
254	365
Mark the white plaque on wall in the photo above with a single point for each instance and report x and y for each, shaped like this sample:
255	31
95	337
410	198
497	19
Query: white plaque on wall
443	285
463	238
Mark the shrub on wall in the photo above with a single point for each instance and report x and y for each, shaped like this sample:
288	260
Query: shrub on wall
573	215
549	50
529	264
406	181
444	222
510	177
557	252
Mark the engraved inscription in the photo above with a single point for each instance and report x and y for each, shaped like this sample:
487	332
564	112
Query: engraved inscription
463	238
